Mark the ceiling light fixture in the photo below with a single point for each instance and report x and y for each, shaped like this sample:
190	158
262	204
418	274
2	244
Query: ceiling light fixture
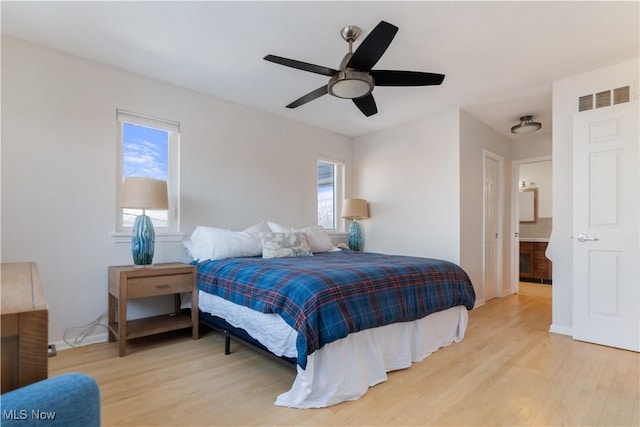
350	84
526	126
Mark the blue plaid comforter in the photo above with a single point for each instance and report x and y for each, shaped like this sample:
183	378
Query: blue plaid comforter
329	295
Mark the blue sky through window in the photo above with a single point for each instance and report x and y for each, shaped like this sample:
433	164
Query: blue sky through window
145	152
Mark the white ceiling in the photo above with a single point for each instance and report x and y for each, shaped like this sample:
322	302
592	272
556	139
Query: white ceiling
500	58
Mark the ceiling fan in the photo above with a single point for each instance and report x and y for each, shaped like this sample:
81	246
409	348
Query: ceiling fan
355	79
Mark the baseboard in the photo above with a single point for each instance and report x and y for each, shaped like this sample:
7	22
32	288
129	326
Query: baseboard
562	330
507	292
538	281
478	303
88	340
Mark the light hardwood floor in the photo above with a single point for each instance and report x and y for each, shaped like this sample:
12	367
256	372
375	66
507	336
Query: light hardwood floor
534	289
508	370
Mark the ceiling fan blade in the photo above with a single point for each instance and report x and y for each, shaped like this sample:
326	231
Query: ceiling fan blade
367	105
309	97
373	47
405	78
299	65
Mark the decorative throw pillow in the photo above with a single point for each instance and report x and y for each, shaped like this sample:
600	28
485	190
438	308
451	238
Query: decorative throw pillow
319	240
281	245
317	236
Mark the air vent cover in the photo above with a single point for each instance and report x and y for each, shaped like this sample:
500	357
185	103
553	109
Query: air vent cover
604	98
585	103
621	95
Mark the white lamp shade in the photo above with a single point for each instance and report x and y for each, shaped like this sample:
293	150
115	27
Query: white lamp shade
144	193
355	209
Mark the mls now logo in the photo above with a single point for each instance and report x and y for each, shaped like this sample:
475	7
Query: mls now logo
23	414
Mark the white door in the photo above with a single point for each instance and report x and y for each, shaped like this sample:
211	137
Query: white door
606	225
491	201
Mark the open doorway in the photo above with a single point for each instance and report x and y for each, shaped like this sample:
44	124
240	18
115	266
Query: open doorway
533	222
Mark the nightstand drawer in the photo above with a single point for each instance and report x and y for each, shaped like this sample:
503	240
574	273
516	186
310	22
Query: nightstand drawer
141	287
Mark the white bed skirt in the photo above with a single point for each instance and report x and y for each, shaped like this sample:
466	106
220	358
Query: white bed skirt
345	369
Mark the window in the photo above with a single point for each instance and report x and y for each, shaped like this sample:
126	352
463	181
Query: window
330	192
149	147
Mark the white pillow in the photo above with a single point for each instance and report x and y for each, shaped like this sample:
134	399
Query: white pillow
277	228
218	243
281	245
317	236
261	227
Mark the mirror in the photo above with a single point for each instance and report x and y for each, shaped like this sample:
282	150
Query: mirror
529	205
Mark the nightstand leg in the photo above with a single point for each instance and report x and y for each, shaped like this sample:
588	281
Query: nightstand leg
194	313
122	326
111	317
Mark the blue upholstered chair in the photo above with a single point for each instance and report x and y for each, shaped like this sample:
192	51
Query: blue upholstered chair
67	400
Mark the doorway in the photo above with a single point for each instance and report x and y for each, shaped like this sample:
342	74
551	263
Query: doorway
532	222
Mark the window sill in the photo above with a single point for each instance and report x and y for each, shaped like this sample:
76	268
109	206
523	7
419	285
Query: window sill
337	237
168	236
337	234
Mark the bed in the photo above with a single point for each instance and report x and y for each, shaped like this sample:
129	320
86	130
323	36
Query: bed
344	318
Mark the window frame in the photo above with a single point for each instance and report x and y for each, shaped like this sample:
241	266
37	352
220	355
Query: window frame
172	231
338	190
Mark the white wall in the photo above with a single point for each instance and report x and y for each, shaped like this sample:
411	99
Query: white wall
238	166
533	146
475	137
565	105
410	176
540	176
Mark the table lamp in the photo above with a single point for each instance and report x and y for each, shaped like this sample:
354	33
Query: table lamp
355	209
143	193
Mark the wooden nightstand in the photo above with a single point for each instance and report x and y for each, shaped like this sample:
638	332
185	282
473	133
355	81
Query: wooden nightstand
127	282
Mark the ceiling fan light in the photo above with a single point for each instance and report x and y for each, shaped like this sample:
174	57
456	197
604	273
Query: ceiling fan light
350	84
526	126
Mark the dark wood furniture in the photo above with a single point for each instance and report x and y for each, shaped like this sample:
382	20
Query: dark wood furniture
534	265
25	326
128	282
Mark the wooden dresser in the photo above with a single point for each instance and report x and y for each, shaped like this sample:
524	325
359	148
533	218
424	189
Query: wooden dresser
25	326
534	265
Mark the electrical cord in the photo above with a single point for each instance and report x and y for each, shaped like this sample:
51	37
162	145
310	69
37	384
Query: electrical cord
84	331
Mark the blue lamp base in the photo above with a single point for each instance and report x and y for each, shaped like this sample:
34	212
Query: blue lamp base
143	241
354	238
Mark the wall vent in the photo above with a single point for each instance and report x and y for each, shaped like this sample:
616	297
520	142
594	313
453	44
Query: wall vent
621	95
585	103
604	98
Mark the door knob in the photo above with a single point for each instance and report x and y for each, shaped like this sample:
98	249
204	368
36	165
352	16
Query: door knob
585	238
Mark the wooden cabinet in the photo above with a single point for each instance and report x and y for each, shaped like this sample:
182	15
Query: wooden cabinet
128	282
25	326
534	265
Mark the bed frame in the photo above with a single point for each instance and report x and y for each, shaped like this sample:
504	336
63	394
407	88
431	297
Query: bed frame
218	324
